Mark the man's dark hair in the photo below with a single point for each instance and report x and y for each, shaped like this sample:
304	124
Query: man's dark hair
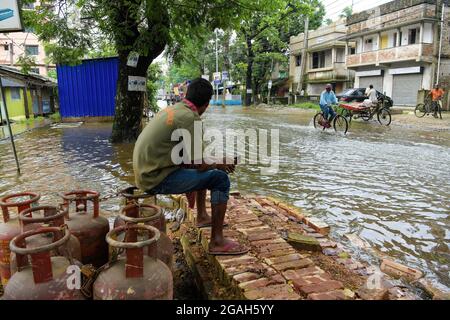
199	92
371	86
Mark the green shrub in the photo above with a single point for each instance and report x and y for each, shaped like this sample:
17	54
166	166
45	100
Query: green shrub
55	117
307	105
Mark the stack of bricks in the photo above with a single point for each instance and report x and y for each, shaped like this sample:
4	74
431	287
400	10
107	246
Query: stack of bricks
272	269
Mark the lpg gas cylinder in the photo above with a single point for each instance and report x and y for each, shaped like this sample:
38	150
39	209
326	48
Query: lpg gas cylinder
134	195
149	215
87	225
135	276
10	226
48	277
41	216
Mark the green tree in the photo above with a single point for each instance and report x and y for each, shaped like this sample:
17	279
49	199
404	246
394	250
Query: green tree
266	35
71	27
347	12
26	63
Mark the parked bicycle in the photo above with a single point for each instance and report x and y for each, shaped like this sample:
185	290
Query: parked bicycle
339	123
428	107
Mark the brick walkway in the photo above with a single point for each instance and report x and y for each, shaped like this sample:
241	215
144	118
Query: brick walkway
273	268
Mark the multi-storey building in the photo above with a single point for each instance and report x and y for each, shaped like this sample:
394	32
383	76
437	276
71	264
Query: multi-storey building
397	47
17	44
325	60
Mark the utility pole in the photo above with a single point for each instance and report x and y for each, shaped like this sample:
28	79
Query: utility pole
217	66
11	53
440	43
303	61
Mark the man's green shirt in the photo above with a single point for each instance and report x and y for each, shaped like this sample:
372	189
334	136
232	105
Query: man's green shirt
152	155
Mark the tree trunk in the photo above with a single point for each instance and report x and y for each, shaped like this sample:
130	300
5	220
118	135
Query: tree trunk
129	104
249	73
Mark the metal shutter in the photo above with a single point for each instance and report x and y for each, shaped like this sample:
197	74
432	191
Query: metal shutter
377	82
405	88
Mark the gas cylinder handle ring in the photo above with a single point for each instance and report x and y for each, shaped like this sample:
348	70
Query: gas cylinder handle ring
23	215
125	218
80	195
48	247
132	245
128	193
34	197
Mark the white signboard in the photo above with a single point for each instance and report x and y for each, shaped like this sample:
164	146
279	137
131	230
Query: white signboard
205	76
405	70
216	76
368	73
137	83
225	75
249	90
10	16
133	59
270	84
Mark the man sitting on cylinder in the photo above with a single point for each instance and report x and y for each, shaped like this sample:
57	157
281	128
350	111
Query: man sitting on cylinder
165	165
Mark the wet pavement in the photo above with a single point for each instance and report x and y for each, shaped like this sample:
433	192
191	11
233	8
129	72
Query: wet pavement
387	185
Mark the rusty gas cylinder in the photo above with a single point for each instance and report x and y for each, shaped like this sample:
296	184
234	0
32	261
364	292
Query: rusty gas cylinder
10	226
43	216
87	225
150	215
133	195
47	278
135	276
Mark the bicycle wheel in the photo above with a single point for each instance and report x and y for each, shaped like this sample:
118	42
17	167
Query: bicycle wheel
384	117
340	124
420	110
318	119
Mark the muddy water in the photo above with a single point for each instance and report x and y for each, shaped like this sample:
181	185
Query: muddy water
390	186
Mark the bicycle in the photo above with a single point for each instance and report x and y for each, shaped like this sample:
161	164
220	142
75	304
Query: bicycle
428	107
339	123
367	113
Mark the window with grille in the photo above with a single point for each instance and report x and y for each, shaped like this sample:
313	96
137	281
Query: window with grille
32	50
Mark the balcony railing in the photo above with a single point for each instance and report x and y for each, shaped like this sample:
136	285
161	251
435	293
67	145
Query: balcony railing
421	52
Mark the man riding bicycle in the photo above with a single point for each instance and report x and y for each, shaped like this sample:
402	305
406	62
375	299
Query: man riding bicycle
328	98
436	95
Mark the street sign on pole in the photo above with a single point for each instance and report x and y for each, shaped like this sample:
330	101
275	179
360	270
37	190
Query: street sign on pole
225	75
270	84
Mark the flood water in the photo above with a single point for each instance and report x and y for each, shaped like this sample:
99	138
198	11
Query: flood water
390	186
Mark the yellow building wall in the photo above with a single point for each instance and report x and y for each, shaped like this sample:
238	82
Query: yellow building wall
16	108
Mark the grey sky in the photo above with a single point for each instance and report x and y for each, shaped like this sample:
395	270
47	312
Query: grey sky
335	7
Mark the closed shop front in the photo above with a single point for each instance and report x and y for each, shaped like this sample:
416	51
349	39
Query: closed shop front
405	88
376	81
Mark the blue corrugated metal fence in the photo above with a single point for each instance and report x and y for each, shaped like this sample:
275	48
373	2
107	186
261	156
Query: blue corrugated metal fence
89	89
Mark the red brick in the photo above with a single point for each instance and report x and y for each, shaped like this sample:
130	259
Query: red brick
303	263
299	273
237	261
262	236
275	247
246	276
282	290
330	295
313	279
268	242
262	282
318	287
277	253
253	267
286	258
